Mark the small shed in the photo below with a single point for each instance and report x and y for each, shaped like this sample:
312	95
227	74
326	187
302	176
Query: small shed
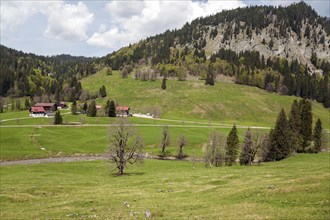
122	111
62	105
99	108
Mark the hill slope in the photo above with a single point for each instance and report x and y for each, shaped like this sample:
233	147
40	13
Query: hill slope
191	99
279	49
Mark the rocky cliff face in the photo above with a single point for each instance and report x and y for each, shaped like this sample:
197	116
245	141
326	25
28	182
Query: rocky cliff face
269	43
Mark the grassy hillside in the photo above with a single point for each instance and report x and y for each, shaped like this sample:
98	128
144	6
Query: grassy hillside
296	188
222	103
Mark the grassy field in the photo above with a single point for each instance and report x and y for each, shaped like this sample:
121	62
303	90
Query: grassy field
223	103
296	188
54	141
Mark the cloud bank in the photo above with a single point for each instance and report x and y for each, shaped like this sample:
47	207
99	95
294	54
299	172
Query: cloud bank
65	21
130	22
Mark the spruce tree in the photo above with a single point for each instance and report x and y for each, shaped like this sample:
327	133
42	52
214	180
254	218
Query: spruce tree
85	107
247	151
103	91
317	136
232	147
112	109
306	124
209	77
27	104
295	126
279	139
74	108
106	108
91	112
57	118
164	83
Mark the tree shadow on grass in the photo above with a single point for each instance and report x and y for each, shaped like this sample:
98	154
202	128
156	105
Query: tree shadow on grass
128	174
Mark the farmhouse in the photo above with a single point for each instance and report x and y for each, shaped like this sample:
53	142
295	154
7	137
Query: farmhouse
49	108
37	112
122	111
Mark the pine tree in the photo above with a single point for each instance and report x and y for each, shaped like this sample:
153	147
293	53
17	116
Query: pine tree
57	118
307	124
106	107
74	108
295	126
103	91
279	139
247	151
27	104
232	147
112	109
91	112
209	80
85	107
317	136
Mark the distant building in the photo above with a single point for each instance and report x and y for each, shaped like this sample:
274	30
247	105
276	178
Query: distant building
99	108
122	111
49	108
62	105
37	112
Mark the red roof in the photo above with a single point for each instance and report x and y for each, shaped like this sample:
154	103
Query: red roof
122	108
44	104
37	109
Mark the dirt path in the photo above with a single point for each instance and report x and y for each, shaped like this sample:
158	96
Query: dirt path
51	160
83	158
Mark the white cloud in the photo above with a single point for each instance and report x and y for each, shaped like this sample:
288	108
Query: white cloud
14	13
132	21
65	21
68	21
124	9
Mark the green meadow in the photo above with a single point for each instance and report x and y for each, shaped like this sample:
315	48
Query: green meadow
54	141
295	188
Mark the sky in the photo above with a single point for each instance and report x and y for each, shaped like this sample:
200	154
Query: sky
96	28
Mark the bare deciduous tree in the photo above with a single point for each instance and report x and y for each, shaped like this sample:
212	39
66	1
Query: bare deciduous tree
125	146
165	141
264	149
251	147
181	143
215	152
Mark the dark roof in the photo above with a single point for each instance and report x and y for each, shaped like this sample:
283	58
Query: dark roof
122	108
44	104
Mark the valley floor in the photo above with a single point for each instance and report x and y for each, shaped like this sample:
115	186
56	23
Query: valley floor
295	188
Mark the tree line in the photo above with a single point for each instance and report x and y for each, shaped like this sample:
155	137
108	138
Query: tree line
27	74
290	135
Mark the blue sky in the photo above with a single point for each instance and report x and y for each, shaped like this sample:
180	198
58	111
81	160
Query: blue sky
96	28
